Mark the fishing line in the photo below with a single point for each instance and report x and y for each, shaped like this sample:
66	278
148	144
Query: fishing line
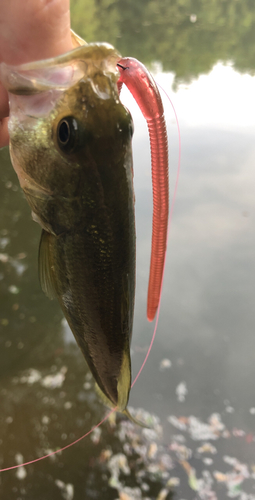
156	321
61	449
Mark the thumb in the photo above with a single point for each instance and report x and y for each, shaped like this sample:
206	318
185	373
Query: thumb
30	31
33	30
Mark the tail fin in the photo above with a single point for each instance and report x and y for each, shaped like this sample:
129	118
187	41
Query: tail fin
123	388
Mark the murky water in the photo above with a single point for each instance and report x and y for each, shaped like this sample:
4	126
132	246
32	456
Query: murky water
199	379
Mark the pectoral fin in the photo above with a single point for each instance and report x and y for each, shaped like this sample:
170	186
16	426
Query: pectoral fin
45	265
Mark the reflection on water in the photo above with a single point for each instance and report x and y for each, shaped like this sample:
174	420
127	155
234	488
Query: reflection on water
186	37
199	379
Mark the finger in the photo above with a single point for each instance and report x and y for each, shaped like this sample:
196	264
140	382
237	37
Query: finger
4	135
33	30
4	105
4	112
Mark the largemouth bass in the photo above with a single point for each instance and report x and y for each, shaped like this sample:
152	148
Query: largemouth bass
70	145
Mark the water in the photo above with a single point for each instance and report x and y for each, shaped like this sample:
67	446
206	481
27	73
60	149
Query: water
199	379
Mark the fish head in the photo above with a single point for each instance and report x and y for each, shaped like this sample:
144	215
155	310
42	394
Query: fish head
65	120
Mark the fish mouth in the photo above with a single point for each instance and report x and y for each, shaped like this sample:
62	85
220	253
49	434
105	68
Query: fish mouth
61	72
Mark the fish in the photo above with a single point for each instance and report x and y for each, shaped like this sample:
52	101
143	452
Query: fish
71	147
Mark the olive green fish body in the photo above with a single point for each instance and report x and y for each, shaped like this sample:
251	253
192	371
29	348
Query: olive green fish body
92	269
71	148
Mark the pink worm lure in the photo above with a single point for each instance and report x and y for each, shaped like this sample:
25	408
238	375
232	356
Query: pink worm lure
144	89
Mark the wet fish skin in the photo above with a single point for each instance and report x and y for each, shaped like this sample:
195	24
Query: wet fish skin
82	196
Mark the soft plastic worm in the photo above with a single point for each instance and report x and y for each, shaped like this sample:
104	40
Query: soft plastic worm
144	89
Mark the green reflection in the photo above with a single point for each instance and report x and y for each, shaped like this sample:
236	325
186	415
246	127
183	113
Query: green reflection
187	36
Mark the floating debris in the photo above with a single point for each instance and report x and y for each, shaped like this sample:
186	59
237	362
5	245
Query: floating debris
13	289
4	242
193	18
208	461
118	463
67	489
230	409
31	377
87	386
173	482
45	420
19	267
181	391
21	255
19	458
207	448
68	405
21	472
193	483
182	452
199	430
163	494
4	257
165	364
105	455
179	423
96	435
144	460
152	451
56	380
130	494
238	432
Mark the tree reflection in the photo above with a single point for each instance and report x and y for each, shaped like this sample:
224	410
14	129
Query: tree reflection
188	37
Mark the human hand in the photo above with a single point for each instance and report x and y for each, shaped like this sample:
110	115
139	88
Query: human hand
30	31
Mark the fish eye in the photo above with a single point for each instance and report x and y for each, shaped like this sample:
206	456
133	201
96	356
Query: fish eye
67	134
